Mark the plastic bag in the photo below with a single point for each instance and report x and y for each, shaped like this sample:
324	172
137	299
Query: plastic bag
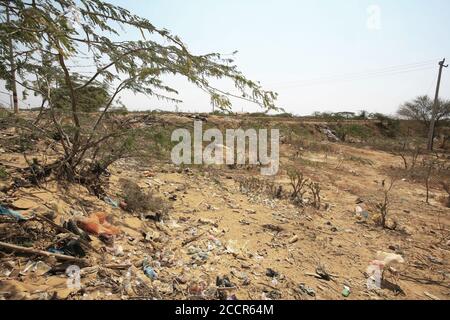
97	224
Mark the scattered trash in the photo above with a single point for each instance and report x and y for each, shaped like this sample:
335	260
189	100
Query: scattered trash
361	211
111	202
7	268
148	270
304	289
274	295
11	213
271	273
198	255
346	291
294	239
97	224
389	259
197	288
57	251
106	239
71	225
74	248
118	251
152	235
39	268
330	135
375	270
224	282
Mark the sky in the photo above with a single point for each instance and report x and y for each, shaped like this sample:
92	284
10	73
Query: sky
318	55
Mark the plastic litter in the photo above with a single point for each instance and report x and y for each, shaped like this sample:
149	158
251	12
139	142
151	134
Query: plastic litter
304	289
74	248
346	291
37	267
197	288
360	211
70	247
55	250
294	239
11	213
271	273
389	259
72	226
118	251
97	224
148	270
330	135
111	202
224	282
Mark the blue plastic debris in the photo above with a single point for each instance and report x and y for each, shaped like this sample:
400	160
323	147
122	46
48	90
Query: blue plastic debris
111	202
57	251
150	272
11	213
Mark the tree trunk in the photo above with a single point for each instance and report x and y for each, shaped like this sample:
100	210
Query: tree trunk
13	70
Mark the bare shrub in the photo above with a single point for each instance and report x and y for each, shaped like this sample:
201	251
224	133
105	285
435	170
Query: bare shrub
408	155
274	190
140	202
298	183
315	190
384	206
254	185
300	186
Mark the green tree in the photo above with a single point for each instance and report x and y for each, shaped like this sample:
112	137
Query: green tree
51	35
421	109
89	99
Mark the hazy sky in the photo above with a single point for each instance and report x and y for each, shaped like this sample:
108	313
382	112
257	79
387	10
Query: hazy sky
318	55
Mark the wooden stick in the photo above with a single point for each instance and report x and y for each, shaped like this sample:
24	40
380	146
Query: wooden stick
42	253
117	266
185	242
268	285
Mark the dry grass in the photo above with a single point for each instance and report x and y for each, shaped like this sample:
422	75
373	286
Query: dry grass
141	202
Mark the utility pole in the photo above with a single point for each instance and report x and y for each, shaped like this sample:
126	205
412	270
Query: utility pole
435	107
13	69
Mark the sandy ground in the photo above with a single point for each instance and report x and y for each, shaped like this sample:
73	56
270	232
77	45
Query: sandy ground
241	235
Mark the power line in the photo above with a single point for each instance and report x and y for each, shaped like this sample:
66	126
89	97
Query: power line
389	68
360	76
356	75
